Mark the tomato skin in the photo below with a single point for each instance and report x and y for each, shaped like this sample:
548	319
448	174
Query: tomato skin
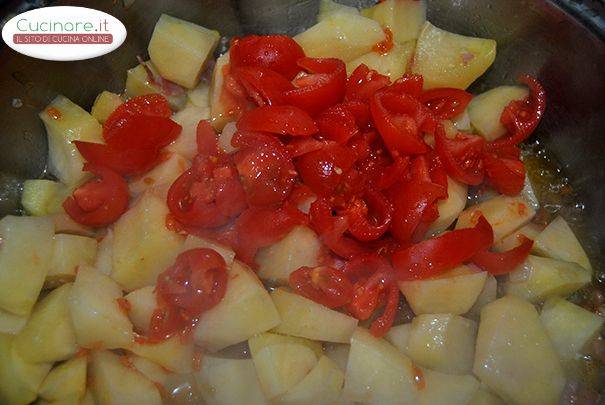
324	285
144	132
301	146
98	202
383	47
123	161
363	83
284	120
506	175
276	52
322	88
446	103
154	105
263	85
337	124
206	139
462	156
434	256
369	217
408	84
322	170
381	325
499	263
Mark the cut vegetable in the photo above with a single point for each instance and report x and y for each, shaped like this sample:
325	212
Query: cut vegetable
151	370
262	340
140	80
200	96
338	353
446	389
65	381
442	342
449	208
569	326
486	108
446	59
97	318
540	278
245	310
514	355
483	396
404	18
142	303
105	103
193	242
188	118
399	336
558	241
341	35
191	45
11	324
305	318
453	292
43	197
394	63
163	174
329	7
174	354
22	271
530	231
297	249
66	122
104	262
69	252
488	294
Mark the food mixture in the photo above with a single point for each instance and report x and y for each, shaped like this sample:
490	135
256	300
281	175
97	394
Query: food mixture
290	223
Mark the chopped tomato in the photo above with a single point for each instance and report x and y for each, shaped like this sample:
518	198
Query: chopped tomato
123	161
206	139
381	325
446	103
462	156
301	146
506	175
144	132
284	120
363	266
100	201
322	170
154	105
364	82
498	263
337	124
263	85
408	84
369	217
324	285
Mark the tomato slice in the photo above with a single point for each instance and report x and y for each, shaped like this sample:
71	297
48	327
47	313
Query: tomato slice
323	87
144	132
462	156
123	161
206	139
284	120
369	217
100	201
381	325
301	146
154	105
363	83
363	266
411	84
337	124
324	285
276	52
263	85
195	283
499	263
434	256
446	103
506	175
322	170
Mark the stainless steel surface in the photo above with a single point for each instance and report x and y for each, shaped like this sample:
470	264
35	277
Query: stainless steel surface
534	36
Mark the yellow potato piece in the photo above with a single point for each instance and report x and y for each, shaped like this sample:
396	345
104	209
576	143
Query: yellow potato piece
394	63
404	18
65	381
174	354
486	108
43	197
70	251
450	208
105	103
558	241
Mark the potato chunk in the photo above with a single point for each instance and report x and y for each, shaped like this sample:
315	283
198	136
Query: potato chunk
569	326
540	278
446	59
163	174
453	292
447	389
193	242
142	304
70	251
105	103
488	294
191	45
174	354
341	35
11	324
65	382
399	336
486	108
394	63
558	241
305	318
404	18
450	208
139	83
66	122
377	373
514	355
443	342
188	118
43	197
22	270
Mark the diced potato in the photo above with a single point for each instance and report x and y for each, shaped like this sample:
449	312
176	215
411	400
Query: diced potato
22	270
338	353
404	18
226	136
450	208
305	318
453	292
48	335
341	35
97	318
70	251
463	122
245	310
43	197
142	304
298	248
221	112
19	380
174	354
329	7
142	245
190	44
163	174
105	103
443	342
200	96
194	242
569	326
486	108
488	294
446	59
188	118
399	336
262	340
393	63
65	381
483	396
558	241
104	262
216	382
281	366
11	324
138	83
377	373
447	389
150	369
514	355
505	215
540	278
66	122
88	398
322	386
115	383
530	231
63	223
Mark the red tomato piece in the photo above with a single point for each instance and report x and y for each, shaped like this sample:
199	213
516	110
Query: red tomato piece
361	112
276	52
408	84
144	132
123	161
100	201
507	176
462	156
263	85
154	105
369	217
446	103
384	46
363	83
337	124
437	255
362	267
381	325
323	87
206	139
278	119
369	294
498	263
324	285
301	146
323	169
